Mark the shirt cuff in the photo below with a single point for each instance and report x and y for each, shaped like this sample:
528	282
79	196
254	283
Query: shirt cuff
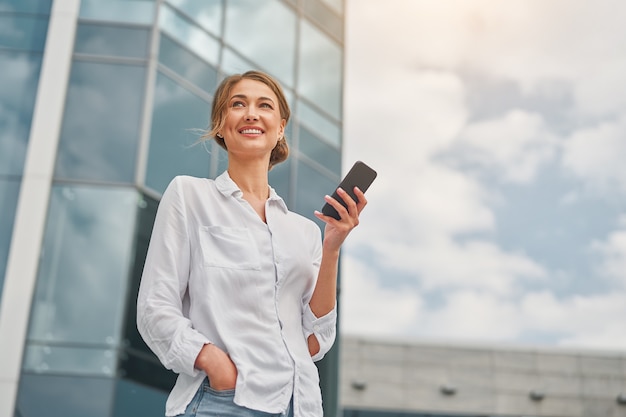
186	350
324	329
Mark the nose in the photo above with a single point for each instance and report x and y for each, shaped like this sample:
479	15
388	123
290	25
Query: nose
251	115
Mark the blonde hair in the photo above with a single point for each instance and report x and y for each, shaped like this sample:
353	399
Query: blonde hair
219	109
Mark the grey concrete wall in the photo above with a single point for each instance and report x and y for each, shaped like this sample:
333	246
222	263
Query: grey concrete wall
490	381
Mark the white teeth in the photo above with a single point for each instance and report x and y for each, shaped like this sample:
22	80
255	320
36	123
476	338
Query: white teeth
251	132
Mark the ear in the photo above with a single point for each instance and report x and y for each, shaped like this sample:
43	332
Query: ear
281	130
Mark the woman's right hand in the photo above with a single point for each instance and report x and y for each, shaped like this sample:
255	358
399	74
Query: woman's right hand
218	366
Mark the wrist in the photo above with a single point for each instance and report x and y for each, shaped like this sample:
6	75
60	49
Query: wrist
331	253
203	357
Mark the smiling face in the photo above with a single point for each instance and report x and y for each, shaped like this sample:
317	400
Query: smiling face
252	123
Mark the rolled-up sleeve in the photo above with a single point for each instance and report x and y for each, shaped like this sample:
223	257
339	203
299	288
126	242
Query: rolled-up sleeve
160	319
324	328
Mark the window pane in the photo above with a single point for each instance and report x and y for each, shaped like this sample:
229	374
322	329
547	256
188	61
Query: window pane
145	222
311	187
320	70
273	45
232	63
137	362
63	396
336	5
318	123
83	271
320	151
44	358
325	16
188	34
28	6
9	190
279	178
126	11
222	159
133	399
208	13
187	64
18	83
101	122
111	40
21	32
178	115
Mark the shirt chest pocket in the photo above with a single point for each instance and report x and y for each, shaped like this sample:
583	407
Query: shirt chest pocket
229	247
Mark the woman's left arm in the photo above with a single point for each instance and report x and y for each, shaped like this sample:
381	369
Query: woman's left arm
324	296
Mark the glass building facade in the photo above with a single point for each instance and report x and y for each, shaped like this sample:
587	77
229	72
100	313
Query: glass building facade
139	81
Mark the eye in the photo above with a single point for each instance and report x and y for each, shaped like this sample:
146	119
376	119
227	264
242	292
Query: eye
266	106
237	103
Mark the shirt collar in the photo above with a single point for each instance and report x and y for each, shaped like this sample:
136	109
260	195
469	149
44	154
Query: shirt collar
227	187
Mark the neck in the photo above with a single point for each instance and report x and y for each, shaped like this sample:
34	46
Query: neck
250	177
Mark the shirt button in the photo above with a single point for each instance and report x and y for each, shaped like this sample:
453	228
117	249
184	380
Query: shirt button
316	327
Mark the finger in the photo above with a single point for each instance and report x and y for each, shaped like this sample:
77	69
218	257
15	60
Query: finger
361	197
326	219
352	207
343	211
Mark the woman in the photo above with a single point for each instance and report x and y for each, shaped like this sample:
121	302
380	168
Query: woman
238	293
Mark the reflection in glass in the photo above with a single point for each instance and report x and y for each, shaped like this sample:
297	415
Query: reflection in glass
76	360
207	13
111	40
274	27
178	115
27	6
136	361
188	34
318	123
18	83
325	16
147	209
123	11
336	5
279	178
101	122
222	160
133	399
84	267
320	151
22	32
9	190
232	63
186	64
320	70
64	396
311	187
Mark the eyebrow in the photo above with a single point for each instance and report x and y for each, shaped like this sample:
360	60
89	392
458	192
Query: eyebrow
246	97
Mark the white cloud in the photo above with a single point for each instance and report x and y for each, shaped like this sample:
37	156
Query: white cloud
408	113
515	145
584	321
472	316
409	203
613	253
368	308
407	103
596	94
596	155
472	265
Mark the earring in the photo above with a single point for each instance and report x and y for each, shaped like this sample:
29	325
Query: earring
219	135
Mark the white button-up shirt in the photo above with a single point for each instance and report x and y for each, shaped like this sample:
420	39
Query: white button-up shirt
216	273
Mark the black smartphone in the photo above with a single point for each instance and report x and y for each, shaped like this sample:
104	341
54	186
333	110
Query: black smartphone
360	175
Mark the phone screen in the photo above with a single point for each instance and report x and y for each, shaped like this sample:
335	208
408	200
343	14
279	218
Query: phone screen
360	175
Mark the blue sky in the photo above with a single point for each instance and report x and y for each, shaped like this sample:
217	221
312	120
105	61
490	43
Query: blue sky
499	133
